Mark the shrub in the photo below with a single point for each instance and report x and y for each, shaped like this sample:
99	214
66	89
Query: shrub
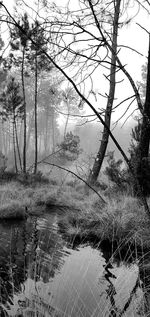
3	163
30	179
70	147
115	172
8	175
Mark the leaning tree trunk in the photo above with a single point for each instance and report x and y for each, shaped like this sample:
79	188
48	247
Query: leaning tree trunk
143	166
92	178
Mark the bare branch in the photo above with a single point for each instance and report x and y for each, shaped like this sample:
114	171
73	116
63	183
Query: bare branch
67	170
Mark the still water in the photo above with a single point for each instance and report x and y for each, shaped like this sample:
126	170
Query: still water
40	275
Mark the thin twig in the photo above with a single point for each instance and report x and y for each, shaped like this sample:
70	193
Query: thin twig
66	170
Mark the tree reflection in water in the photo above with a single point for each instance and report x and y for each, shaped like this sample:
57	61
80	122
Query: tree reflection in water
124	295
30	251
33	255
144	272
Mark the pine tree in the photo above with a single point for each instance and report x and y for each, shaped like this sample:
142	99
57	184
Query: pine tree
38	62
19	40
12	108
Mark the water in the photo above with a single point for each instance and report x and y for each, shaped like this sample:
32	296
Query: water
42	276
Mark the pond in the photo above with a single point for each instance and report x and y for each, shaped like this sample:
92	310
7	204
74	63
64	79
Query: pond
42	275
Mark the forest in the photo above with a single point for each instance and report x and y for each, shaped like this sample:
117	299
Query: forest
74	157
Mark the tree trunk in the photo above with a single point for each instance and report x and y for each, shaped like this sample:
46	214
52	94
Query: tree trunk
4	150
25	115
92	178
14	145
9	141
20	134
40	144
46	130
35	119
67	119
53	130
31	115
17	143
143	148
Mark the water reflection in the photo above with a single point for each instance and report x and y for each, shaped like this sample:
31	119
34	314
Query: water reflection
41	277
29	251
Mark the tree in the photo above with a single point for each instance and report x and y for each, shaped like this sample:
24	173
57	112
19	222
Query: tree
12	107
71	100
92	23
49	99
105	134
141	134
40	62
19	38
33	61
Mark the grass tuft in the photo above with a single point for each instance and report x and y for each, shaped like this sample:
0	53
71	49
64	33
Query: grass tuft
119	222
12	210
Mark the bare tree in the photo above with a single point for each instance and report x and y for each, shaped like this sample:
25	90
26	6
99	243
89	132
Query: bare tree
105	134
92	30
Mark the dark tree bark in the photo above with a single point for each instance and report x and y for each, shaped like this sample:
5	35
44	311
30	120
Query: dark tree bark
145	127
143	148
105	134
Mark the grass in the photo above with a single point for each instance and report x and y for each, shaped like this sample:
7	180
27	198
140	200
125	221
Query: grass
19	199
15	210
85	218
121	222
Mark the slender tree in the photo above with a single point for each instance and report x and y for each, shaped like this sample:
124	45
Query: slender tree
12	105
20	40
40	63
70	100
